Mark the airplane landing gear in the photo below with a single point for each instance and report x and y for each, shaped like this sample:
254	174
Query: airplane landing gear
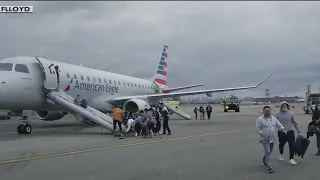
24	128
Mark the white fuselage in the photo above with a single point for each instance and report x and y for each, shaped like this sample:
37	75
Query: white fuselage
25	91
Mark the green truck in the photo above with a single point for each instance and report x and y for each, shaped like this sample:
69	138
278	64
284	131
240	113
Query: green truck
231	103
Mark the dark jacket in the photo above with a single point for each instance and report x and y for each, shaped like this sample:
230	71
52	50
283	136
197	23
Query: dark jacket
315	117
157	115
316	114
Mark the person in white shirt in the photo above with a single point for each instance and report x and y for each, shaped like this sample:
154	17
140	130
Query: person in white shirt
130	126
266	126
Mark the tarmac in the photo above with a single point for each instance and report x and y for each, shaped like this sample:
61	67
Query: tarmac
223	148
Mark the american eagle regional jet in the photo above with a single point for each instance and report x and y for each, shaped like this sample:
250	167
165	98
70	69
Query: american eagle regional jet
49	87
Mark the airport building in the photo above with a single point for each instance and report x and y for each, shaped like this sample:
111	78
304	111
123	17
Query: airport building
277	99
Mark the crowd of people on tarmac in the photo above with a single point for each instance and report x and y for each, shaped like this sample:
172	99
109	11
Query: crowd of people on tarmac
283	124
145	123
202	112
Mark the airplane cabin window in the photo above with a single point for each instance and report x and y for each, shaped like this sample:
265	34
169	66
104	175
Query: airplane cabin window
124	83
105	81
135	85
139	85
131	84
99	80
110	82
88	78
21	68
68	75
94	79
81	77
119	82
115	82
128	84
75	77
6	66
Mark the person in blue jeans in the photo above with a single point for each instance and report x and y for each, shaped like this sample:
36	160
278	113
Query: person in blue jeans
266	126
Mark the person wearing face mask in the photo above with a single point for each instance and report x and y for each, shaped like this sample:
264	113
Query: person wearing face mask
266	126
288	120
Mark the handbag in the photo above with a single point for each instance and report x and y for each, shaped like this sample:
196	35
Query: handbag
314	128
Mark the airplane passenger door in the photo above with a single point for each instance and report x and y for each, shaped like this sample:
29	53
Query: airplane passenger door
51	81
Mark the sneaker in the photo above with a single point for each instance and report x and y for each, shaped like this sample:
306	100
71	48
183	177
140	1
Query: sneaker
318	154
136	134
270	170
291	161
281	157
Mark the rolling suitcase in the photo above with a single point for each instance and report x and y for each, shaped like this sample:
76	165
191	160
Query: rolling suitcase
301	145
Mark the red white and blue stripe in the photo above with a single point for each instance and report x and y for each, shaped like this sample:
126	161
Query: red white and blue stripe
161	72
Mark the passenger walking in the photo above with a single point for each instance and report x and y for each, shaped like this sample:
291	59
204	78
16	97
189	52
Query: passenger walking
165	121
288	120
117	115
316	122
158	122
195	111
201	110
209	111
266	127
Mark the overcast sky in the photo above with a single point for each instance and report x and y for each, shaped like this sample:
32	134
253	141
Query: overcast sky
220	44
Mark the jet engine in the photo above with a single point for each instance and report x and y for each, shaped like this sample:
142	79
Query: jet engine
50	115
138	104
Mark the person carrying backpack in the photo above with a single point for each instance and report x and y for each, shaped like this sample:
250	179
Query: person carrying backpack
209	111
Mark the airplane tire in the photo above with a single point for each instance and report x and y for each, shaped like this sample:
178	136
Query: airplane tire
27	129
20	128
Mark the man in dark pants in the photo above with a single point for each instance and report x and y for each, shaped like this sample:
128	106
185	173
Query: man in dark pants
165	121
288	120
209	111
117	115
316	121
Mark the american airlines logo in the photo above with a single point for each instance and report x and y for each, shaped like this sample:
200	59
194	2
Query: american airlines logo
112	89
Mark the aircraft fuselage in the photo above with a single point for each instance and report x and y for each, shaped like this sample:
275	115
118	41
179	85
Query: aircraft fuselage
25	90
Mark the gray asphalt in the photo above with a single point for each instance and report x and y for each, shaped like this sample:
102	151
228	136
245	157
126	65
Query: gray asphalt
229	151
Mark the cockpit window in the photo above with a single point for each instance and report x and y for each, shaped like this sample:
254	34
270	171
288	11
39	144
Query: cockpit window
21	68
6	66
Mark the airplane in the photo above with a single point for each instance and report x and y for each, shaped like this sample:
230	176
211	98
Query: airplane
49	87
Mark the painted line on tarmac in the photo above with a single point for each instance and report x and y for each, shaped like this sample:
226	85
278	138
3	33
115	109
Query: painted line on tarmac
113	147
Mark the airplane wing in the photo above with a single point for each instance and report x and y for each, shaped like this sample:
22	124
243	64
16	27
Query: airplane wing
177	94
181	88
